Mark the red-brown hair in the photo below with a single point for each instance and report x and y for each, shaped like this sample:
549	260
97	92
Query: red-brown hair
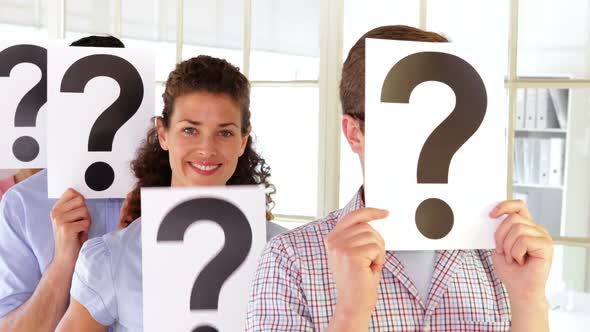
352	84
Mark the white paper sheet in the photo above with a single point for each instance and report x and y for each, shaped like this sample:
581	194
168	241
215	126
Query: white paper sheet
22	90
397	132
73	114
171	268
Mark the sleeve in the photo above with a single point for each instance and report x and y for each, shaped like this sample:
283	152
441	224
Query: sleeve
92	283
277	302
19	268
273	230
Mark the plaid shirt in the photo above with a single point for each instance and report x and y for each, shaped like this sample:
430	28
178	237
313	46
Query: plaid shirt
294	290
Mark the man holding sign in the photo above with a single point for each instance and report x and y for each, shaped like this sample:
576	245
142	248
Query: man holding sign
335	275
40	239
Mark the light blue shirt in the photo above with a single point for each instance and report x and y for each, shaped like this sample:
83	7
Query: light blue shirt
108	278
26	236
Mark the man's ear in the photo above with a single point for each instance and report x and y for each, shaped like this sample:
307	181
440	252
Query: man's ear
351	128
162	134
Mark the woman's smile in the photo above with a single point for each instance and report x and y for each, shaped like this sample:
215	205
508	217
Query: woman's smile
204	167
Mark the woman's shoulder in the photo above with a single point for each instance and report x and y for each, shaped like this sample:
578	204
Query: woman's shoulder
129	233
94	282
103	249
93	253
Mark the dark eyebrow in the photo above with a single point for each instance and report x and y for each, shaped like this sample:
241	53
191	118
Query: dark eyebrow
197	123
229	124
194	123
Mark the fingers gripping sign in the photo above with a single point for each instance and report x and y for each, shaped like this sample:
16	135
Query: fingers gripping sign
356	254
524	252
71	224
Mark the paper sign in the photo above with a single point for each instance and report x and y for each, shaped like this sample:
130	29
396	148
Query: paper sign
100	102
23	87
200	251
435	144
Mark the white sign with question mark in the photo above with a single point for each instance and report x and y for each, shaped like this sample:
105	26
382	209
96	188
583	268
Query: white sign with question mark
435	147
200	248
100	101
23	82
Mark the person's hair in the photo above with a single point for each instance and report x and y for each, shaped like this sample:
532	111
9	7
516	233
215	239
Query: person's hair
99	41
352	84
201	74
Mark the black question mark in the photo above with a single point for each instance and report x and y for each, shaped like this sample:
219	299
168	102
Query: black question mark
238	241
26	148
434	217
100	176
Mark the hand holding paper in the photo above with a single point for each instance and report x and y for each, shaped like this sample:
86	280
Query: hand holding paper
356	254
523	254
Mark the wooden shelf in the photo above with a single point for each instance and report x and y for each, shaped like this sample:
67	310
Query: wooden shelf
536	186
548	131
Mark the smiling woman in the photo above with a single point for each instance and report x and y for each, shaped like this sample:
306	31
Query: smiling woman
201	139
205	132
205	125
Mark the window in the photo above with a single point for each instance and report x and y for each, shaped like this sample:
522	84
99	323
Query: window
85	17
554	38
151	25
285	40
214	28
285	127
23	20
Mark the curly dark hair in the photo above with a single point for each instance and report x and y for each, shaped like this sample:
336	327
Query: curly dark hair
200	74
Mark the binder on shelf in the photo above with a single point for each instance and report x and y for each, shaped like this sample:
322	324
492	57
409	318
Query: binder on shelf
559	99
542	108
544	155
536	160
530	108
518	161
551	114
527	158
556	160
520	114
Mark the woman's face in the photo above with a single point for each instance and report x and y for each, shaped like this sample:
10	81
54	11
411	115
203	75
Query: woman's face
204	139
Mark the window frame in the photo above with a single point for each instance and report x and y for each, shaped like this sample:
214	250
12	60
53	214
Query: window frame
330	30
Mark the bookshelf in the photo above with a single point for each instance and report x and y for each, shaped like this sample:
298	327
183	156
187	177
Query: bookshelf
540	148
562	207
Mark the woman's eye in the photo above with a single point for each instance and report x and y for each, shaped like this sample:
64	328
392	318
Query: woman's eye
226	133
189	131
